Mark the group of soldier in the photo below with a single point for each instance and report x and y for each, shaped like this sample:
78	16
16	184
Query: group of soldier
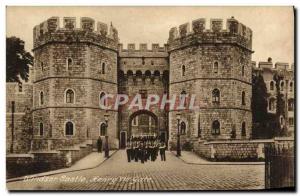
144	148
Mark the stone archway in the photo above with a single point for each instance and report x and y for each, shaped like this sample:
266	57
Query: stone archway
143	122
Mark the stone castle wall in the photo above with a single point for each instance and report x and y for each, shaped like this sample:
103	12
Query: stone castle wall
22	97
73	58
198	51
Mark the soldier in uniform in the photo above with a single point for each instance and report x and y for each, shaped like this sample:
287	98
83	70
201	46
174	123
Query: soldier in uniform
99	145
128	150
162	151
136	152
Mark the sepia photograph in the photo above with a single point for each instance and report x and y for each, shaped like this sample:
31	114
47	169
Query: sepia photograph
150	98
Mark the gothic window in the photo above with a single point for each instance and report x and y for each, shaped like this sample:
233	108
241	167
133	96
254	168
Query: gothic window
41	129
70	96
291	104
216	67
102	99
216	96
215	128
272	85
102	129
103	68
20	87
183	128
41	98
69	128
271	104
282	86
183	97
69	63
182	70
243	131
291	86
243	98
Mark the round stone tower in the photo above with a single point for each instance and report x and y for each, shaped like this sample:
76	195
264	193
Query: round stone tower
215	65
73	68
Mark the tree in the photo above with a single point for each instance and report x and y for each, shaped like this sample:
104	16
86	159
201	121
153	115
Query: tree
280	106
262	120
17	60
259	99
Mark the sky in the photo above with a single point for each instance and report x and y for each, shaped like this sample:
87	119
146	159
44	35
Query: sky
273	27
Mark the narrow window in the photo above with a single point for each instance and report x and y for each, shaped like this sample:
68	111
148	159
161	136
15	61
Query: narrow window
69	128
281	120
216	96
41	129
272	85
271	104
183	98
42	66
102	99
243	98
243	132
243	70
70	96
182	70
182	128
103	68
69	63
291	104
215	128
291	86
42	98
291	121
215	67
282	86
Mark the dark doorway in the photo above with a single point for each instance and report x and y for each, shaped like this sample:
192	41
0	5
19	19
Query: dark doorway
163	137
123	139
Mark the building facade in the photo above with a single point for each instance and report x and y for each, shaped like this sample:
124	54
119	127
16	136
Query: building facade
74	67
287	88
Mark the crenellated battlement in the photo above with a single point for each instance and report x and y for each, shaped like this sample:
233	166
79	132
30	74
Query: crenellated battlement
196	32
143	51
278	66
89	31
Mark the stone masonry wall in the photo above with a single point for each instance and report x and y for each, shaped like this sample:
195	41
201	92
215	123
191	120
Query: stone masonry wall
23	100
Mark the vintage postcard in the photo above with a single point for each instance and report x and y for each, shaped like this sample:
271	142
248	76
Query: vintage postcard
150	98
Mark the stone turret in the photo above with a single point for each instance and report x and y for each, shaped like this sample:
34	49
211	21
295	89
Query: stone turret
235	33
50	31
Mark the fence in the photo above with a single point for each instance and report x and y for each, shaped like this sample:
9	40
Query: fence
279	166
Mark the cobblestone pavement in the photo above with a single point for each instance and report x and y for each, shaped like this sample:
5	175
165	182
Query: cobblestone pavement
117	174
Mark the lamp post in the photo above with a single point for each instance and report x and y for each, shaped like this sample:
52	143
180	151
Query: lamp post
106	136
178	135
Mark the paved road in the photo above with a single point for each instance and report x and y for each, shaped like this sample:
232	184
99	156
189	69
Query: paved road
117	174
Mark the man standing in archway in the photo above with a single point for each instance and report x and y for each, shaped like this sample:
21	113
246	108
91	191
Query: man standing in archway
99	145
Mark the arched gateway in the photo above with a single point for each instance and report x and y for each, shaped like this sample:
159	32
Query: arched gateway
140	123
143	122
